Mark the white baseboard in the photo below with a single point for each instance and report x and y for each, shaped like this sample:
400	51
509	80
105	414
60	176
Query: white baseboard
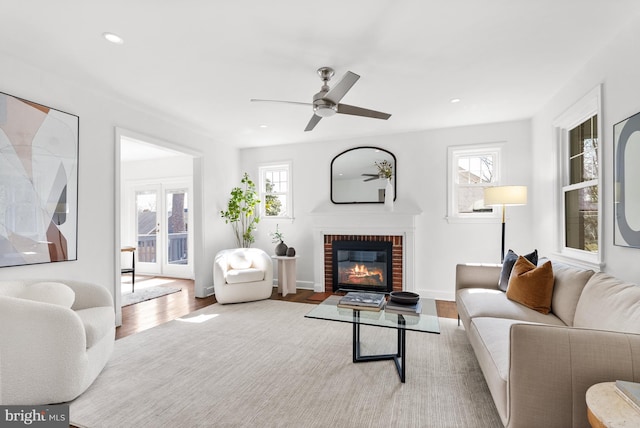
437	295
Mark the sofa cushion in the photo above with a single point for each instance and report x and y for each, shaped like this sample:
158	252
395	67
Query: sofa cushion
531	285
49	292
235	276
480	302
568	285
490	338
97	322
238	259
495	335
608	303
508	263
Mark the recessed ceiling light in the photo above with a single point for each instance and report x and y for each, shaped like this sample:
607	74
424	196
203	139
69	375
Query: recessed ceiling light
455	100
262	126
113	38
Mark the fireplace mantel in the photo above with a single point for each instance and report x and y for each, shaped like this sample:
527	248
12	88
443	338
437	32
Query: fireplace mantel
365	219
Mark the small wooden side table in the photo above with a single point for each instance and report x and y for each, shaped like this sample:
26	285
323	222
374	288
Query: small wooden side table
607	409
286	274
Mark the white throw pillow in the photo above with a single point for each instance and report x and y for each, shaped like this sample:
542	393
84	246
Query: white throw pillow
239	260
241	276
49	292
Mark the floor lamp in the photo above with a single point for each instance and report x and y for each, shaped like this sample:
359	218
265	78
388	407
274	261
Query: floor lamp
505	196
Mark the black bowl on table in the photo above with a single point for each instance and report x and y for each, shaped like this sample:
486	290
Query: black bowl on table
404	297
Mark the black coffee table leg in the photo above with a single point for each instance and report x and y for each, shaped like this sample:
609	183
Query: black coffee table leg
398	358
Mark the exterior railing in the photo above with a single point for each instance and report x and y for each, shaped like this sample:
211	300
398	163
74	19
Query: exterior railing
178	251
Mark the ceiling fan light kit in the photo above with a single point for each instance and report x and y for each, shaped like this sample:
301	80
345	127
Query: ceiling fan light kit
326	103
324	110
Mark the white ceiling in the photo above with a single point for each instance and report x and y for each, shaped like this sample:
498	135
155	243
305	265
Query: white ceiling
201	61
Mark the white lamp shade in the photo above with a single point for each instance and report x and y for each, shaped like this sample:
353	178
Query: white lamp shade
505	195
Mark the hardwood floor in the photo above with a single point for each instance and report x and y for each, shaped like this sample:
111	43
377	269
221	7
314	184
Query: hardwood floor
144	315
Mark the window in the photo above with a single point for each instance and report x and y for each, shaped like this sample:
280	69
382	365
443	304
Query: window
275	191
581	187
579	180
472	169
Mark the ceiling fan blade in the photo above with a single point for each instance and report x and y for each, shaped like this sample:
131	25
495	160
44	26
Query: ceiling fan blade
359	111
340	89
371	177
312	123
279	101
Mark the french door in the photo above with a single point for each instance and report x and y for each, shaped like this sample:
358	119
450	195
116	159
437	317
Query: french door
163	237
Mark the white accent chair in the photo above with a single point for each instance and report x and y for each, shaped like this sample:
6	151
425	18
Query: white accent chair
242	275
55	339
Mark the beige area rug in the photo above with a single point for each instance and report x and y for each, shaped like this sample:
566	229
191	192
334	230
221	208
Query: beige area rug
262	364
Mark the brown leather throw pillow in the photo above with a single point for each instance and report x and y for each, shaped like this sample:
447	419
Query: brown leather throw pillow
531	285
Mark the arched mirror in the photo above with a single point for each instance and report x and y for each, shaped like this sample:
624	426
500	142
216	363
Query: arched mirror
358	175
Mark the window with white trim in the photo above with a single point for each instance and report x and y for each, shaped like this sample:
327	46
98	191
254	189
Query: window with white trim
472	169
580	188
579	181
275	191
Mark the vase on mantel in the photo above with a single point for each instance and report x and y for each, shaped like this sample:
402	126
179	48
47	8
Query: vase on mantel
388	196
281	249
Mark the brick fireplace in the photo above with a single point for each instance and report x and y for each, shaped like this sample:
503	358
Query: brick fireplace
396	257
365	222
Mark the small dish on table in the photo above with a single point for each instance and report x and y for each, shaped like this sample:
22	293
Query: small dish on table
404	297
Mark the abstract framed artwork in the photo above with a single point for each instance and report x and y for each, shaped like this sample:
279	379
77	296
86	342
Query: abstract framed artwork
38	183
626	159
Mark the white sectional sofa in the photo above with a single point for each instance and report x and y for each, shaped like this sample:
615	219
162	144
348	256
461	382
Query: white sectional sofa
55	338
538	367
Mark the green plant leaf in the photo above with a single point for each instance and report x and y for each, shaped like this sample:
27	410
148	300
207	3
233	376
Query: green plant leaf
241	211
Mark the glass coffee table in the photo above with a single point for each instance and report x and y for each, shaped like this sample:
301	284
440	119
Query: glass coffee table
426	322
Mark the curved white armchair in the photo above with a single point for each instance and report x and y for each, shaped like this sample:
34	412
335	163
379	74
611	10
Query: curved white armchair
242	275
54	340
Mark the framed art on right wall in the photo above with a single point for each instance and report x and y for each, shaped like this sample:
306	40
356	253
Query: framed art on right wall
626	166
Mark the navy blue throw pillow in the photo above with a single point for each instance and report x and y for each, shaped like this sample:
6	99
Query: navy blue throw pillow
507	266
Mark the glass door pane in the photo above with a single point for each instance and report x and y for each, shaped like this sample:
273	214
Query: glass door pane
147	225
177	226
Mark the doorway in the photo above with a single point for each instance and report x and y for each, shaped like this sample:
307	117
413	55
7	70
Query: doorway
156	210
163	237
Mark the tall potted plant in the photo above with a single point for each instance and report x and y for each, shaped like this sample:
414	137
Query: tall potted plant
242	211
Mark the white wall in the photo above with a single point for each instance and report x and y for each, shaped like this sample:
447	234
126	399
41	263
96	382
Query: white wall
421	178
99	115
615	66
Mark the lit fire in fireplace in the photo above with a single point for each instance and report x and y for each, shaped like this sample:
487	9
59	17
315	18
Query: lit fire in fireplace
360	270
360	274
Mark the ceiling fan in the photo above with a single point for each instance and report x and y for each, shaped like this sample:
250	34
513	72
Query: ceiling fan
371	177
327	102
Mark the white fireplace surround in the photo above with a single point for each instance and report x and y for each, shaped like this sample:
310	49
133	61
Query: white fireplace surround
365	219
